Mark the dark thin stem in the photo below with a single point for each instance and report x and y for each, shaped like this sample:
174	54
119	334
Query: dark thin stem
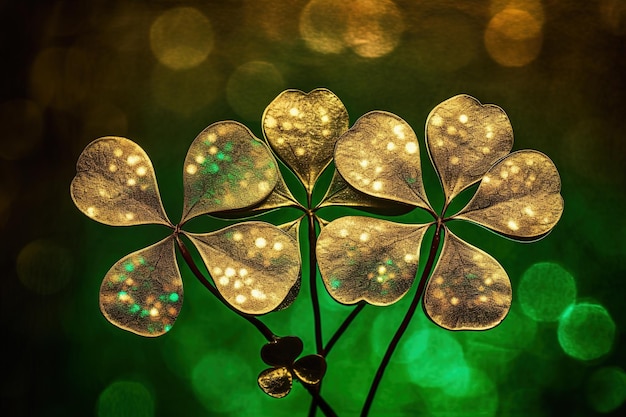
313	408
405	322
344	326
265	331
319	401
317	316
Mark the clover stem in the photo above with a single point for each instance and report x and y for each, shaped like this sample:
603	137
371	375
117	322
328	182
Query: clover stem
261	327
405	322
317	316
343	327
318	401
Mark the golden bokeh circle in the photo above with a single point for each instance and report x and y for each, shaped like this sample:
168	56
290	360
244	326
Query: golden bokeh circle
513	38
181	38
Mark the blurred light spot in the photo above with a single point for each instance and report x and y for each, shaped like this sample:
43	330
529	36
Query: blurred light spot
184	92
374	27
586	331
22	122
436	358
513	38
44	267
469	382
545	291
606	389
63	78
613	15
323	24
223	394
181	38
532	7
252	86
277	20
126	399
371	28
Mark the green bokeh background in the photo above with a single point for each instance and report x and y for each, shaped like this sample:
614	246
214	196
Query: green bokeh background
72	73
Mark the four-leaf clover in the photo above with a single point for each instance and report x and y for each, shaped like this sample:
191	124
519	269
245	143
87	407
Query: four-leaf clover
376	260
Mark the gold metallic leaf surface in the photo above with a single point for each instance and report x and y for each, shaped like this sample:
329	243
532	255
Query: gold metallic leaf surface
303	129
340	193
115	184
310	369
468	289
226	168
379	156
254	264
518	197
280	196
363	258
143	292
464	138
275	382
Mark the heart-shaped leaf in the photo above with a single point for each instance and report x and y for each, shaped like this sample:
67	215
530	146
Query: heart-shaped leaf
143	292
282	351
362	258
464	138
115	184
519	197
468	289
254	264
379	156
303	129
275	382
310	369
226	168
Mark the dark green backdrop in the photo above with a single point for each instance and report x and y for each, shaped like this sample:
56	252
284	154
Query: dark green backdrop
72	73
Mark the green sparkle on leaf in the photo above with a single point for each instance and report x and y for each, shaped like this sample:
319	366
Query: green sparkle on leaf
335	283
122	294
167	327
135	308
213	168
221	156
129	267
228	146
471	276
174	297
389	261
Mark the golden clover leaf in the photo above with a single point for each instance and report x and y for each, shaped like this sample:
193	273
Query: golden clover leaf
518	197
226	168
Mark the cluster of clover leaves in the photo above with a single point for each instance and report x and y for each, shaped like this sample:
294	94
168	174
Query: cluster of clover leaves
255	267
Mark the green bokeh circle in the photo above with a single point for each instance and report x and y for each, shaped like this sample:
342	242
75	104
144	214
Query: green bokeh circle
586	331
545	291
126	399
606	389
